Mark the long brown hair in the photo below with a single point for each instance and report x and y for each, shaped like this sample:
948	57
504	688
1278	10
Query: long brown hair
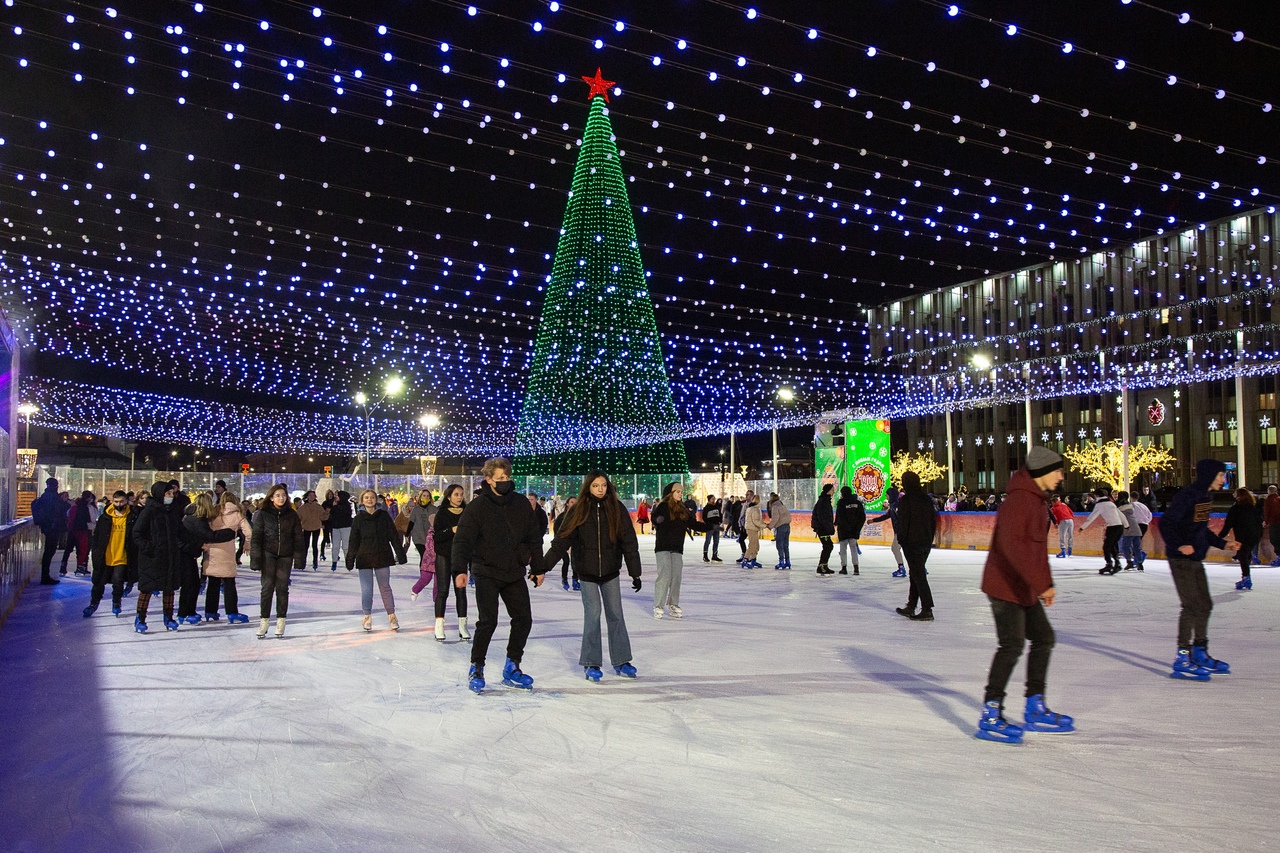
1244	496
577	514
676	510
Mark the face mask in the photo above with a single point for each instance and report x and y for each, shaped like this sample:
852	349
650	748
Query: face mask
423	501
168	499
504	487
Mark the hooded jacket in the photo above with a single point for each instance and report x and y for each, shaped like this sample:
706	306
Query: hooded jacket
496	535
596	558
1186	521
1017	567
340	512
822	521
916	519
277	537
157	535
375	543
851	515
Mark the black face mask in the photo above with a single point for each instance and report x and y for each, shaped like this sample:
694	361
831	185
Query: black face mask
504	487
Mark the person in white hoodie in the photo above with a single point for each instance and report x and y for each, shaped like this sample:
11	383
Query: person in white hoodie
1105	510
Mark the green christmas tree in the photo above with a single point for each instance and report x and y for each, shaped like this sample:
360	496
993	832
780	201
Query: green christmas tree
598	396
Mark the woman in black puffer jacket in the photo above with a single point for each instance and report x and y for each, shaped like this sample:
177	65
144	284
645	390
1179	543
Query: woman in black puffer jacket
158	537
278	546
599	533
374	547
822	522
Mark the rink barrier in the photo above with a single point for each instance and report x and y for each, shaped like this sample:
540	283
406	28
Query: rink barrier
971	531
20	550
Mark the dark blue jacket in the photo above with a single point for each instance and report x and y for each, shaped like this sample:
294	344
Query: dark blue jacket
1186	521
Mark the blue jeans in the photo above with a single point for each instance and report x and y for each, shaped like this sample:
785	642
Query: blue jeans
383	577
711	541
610	594
782	539
1130	548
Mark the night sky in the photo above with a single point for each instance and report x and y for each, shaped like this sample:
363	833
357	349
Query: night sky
172	224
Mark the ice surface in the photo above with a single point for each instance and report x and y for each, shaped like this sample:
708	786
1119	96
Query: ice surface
785	712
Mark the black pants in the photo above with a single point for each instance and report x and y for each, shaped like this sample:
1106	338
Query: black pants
1111	545
515	595
712	542
444	582
50	549
325	539
100	576
1197	604
1015	625
312	539
239	546
226	586
189	597
275	583
742	540
826	550
919	580
565	568
1245	557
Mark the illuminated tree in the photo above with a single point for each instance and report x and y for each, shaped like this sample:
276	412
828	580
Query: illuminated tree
598	395
922	463
1104	463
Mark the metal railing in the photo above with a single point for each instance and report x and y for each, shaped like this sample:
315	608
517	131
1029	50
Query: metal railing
20	549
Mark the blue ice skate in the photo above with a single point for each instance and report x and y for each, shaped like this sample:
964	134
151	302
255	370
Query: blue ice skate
115	611
1244	583
1039	718
170	625
139	625
213	617
1200	657
88	611
626	670
475	679
994	727
513	677
1186	668
193	619
237	618
593	673
576	585
900	573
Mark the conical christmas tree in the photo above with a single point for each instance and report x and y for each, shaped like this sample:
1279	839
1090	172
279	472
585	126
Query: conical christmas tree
598	396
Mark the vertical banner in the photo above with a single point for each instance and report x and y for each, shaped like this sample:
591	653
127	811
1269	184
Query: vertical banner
828	454
867	461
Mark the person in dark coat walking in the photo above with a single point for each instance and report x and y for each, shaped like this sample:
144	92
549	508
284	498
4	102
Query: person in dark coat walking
1245	520
113	553
1017	582
158	538
497	537
599	532
823	524
50	516
374	547
915	527
851	516
278	546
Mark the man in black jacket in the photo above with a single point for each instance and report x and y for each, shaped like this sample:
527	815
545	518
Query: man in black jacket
498	536
51	517
712	517
915	525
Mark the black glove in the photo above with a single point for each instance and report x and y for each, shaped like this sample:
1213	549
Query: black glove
635	584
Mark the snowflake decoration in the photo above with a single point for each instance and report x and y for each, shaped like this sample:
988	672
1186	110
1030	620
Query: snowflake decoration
1009	438
931	444
1213	424
1264	421
991	439
1082	433
1097	432
1022	438
1231	423
1058	435
1044	437
959	442
920	444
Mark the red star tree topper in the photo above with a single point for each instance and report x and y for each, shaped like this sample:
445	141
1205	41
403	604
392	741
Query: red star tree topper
599	86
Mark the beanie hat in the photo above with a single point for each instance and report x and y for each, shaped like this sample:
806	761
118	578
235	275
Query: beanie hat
1207	470
1041	461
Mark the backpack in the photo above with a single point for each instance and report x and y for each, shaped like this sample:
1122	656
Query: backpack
428	562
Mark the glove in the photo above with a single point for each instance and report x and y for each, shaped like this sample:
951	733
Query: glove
635	584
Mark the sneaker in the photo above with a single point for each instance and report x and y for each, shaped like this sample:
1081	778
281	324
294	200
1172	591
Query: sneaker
676	612
626	670
657	613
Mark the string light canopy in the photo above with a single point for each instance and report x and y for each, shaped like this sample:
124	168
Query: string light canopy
265	210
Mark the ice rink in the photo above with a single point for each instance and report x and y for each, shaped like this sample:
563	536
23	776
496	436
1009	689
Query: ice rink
785	712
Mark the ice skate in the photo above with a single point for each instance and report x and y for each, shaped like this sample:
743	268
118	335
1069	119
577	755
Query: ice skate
626	670
193	619
513	677
440	629
171	624
213	617
392	622
576	586
566	586
139	625
475	679
1038	718
1062	555
280	628
115	610
716	559
901	572
413	596
88	611
237	618
844	570
1200	657
855	570
263	624
1184	667
1245	583
593	673
367	623
675	611
994	727
463	633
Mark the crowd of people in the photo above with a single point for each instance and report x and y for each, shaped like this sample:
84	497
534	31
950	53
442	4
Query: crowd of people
164	541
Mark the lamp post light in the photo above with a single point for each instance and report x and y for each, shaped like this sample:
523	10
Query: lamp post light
429	422
392	387
27	410
786	395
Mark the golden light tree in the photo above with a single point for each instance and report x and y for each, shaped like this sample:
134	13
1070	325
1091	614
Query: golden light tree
1104	463
922	463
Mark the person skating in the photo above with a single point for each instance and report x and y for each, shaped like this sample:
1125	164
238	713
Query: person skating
312	515
277	546
1104	509
157	535
671	521
339	528
599	531
780	524
1244	519
449	575
1271	521
566	565
80	523
642	513
1131	539
1187	537
1065	520
752	524
221	562
113	552
851	516
822	522
1019	585
197	533
50	516
374	547
497	537
712	516
915	526
893	502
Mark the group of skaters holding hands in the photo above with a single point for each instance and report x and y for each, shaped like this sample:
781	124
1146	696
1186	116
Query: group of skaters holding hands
497	537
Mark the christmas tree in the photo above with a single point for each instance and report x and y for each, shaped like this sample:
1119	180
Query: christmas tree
598	396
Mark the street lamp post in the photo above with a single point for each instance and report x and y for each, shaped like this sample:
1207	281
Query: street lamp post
429	422
786	395
27	410
393	386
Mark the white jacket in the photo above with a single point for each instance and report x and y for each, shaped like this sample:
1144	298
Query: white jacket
1110	515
